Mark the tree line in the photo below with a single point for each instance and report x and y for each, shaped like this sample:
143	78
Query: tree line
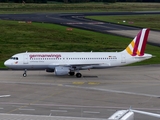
76	1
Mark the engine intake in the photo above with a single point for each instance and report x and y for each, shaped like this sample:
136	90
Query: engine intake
61	70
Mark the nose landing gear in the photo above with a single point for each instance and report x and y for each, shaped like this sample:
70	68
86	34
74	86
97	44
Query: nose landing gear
25	73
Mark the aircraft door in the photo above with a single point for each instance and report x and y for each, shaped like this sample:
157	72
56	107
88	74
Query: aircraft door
25	59
123	58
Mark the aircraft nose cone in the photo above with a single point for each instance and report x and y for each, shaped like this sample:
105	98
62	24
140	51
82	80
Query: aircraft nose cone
6	63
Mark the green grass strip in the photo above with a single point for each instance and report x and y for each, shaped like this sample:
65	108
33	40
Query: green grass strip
77	7
143	21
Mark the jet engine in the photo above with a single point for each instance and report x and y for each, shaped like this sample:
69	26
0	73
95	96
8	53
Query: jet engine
61	70
49	70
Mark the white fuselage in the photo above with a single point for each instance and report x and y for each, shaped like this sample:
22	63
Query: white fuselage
86	60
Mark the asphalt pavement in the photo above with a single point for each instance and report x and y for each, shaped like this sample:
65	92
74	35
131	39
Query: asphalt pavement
78	20
98	94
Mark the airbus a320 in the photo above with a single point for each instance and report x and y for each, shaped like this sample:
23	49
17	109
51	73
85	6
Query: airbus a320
70	63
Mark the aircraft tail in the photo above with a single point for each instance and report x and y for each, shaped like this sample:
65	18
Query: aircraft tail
138	45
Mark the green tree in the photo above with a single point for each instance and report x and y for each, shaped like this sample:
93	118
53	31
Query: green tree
156	0
109	1
65	1
131	0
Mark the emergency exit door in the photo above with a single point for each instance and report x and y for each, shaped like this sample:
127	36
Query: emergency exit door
25	59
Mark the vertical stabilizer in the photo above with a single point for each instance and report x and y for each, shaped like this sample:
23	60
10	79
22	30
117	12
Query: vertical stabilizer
138	45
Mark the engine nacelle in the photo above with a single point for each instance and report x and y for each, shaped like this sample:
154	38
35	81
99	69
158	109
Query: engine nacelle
49	70
61	70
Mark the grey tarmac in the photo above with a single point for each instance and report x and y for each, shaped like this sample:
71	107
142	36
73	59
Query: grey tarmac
98	94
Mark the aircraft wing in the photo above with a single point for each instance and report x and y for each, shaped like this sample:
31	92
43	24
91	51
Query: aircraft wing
75	64
79	65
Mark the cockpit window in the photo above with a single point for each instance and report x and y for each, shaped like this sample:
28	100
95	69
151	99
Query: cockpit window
14	58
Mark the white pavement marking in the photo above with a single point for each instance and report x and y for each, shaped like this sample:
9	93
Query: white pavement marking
1	96
1	108
27	109
58	110
66	108
92	112
114	91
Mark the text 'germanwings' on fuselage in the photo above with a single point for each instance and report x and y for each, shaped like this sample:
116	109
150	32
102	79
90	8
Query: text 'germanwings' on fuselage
69	63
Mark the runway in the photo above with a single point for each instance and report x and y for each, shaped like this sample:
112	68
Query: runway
98	94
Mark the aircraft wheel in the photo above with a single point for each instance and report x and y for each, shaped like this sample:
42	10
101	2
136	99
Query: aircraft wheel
78	75
71	73
24	74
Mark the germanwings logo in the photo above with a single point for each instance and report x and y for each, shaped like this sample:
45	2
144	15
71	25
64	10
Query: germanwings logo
44	55
138	45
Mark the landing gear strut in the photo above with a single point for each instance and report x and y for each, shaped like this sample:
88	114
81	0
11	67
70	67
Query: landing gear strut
25	73
78	75
71	73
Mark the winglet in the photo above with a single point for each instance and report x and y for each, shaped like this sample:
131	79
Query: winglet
138	45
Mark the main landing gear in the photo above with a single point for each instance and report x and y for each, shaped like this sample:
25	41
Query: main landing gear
78	75
25	73
71	73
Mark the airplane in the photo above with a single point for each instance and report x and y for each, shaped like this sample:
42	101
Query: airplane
130	114
69	63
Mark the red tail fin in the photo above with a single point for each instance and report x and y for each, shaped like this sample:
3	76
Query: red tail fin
138	45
